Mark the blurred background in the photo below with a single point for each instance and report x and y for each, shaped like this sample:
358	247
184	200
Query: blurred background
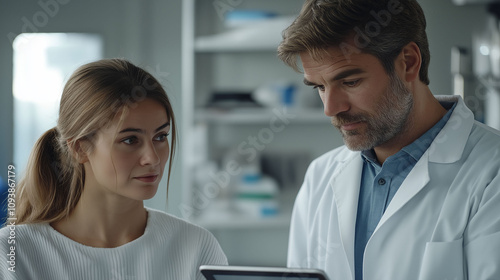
248	126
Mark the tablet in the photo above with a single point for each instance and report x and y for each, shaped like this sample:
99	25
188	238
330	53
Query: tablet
217	272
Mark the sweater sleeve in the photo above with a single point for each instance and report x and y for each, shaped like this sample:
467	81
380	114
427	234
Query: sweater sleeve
187	246
7	254
211	253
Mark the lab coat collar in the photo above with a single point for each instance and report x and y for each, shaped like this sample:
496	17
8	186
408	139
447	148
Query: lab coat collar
457	128
441	150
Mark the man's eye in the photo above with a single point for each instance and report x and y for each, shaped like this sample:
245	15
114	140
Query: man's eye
351	83
320	88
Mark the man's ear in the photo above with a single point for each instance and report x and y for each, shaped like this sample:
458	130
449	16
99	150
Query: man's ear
79	149
411	61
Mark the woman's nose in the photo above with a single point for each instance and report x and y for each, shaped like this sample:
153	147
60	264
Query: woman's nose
150	155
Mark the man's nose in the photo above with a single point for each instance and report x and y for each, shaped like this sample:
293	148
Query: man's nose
334	102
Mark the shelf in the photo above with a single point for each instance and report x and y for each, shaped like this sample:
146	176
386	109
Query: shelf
219	56
221	216
260	36
261	115
235	221
223	43
466	2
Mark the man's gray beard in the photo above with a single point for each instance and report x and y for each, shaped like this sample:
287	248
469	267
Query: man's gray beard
392	119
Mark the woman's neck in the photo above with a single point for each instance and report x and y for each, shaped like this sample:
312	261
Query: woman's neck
105	221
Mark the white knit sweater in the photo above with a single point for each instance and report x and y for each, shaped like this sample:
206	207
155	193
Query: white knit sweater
170	248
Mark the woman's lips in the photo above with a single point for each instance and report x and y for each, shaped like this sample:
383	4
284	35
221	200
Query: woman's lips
147	179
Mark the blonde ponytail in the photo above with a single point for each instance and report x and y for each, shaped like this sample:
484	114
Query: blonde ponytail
52	182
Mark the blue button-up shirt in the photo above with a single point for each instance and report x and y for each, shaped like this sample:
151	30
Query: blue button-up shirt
379	183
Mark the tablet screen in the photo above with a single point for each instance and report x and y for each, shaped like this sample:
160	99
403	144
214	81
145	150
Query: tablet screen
244	277
260	273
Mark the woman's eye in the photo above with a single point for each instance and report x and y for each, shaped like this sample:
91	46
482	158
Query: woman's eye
162	137
130	140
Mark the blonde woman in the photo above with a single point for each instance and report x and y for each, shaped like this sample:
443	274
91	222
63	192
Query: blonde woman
79	207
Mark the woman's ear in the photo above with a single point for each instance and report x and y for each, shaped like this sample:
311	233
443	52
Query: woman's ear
411	61
79	149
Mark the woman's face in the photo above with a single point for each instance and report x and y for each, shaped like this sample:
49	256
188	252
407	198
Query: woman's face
128	158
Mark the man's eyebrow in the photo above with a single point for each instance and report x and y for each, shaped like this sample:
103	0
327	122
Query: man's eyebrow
347	73
308	83
138	130
339	76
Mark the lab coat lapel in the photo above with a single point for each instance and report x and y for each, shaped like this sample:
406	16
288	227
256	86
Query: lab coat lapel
441	150
458	128
345	186
414	182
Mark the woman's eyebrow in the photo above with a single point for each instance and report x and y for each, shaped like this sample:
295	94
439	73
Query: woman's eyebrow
162	126
138	130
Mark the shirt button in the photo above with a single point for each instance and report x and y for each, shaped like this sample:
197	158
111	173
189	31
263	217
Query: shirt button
381	181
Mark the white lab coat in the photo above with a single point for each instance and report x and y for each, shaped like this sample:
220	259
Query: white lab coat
443	222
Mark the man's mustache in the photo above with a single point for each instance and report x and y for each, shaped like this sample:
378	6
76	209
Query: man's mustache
346	118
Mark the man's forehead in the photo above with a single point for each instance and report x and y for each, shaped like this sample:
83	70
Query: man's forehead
330	56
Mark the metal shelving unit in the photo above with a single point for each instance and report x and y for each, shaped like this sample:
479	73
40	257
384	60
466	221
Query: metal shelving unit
252	51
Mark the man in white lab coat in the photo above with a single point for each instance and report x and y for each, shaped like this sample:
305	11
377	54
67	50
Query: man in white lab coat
415	191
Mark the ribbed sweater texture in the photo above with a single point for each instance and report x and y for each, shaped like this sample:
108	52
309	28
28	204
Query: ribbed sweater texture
170	248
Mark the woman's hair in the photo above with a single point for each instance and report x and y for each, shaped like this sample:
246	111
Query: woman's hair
378	27
92	97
